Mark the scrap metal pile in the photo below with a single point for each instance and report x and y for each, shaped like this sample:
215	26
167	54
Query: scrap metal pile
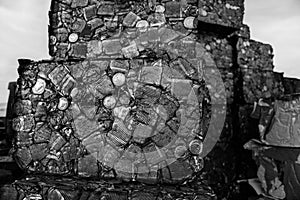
277	150
141	100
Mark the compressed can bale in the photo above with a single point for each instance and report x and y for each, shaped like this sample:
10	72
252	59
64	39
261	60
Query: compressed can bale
98	109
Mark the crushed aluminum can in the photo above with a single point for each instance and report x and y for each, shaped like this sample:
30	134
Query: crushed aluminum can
160	9
173	9
111	46
180	151
79	50
49	94
61	50
41	111
33	197
142	25
90	12
23	107
57	143
39	86
157	19
23	138
23	157
165	137
142	117
130	20
78	25
54	194
38	151
61	34
94	48
119	65
116	139
106	9
67	131
42	132
121	112
79	3
67	84
197	163
52	40
23	123
130	51
95	23
58	74
63	103
124	99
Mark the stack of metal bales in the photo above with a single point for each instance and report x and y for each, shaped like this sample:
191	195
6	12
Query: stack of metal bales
142	100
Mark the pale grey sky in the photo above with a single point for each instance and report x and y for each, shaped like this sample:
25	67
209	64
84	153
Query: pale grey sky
24	31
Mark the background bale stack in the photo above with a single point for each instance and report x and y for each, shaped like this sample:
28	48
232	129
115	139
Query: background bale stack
226	13
256	64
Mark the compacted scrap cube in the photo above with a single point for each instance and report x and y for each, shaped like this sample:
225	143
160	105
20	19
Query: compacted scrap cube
141	100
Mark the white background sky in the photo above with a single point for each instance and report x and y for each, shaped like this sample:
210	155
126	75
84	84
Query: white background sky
24	31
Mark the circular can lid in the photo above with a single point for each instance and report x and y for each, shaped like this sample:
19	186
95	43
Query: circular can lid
119	79
63	103
189	23
109	102
180	151
196	147
39	86
73	37
142	24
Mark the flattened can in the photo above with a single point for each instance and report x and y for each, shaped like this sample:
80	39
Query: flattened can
23	107
41	111
23	123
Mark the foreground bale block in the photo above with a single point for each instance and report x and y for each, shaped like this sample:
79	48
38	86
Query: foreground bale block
130	119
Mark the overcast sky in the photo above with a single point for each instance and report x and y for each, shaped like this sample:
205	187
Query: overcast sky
24	33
